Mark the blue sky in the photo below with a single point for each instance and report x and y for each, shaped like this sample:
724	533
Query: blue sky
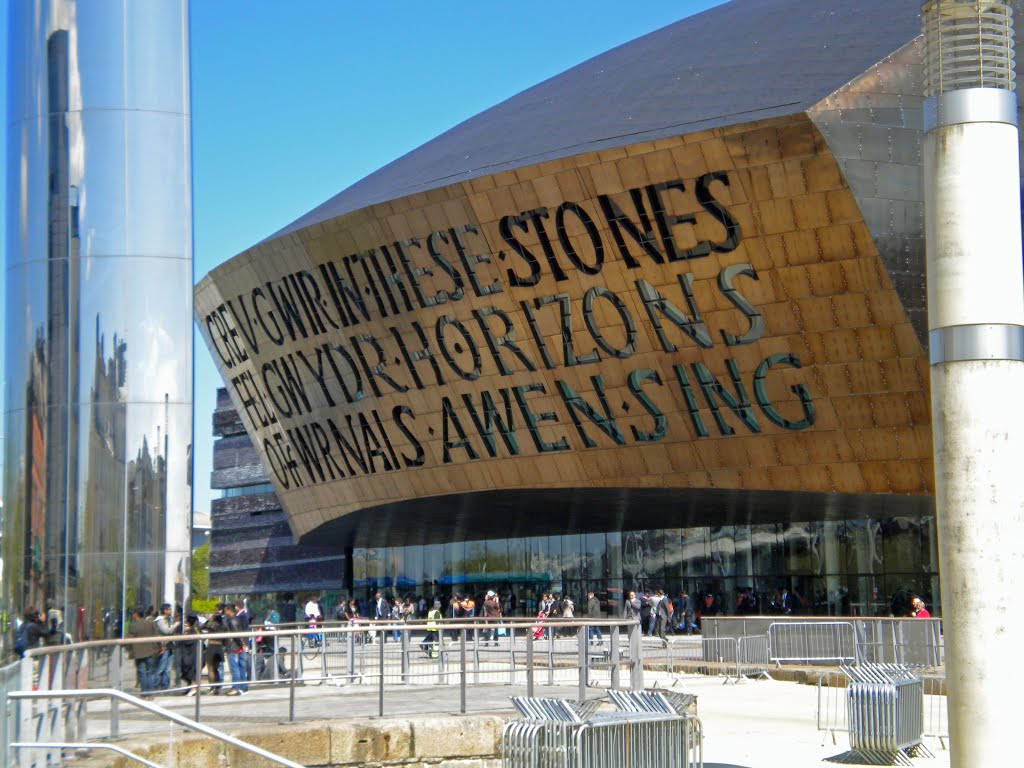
294	101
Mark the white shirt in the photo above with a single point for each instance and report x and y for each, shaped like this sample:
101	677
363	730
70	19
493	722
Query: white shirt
312	609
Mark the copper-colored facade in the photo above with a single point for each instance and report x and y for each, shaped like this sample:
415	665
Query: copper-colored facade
699	329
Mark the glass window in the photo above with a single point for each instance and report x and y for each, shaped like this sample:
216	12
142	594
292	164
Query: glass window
723	551
453	571
594	557
672	543
695	556
765	551
797	546
518	559
572	556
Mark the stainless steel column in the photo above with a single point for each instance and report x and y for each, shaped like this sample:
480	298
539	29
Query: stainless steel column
97	465
976	323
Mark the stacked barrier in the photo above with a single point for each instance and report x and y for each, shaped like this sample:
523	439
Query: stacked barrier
885	706
648	731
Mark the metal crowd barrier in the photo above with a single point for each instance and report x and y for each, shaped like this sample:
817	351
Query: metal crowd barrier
562	735
799	642
916	642
885	712
936	714
732	658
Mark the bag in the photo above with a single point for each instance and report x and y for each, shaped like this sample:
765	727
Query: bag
21	639
501	631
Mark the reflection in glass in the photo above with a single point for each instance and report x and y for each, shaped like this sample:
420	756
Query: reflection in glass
824	565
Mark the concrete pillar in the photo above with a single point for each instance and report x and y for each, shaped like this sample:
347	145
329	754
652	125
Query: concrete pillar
976	346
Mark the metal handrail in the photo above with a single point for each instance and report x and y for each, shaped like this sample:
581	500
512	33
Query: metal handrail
159	712
477	623
84	745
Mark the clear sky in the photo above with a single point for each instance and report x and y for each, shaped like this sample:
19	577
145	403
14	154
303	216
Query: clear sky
293	101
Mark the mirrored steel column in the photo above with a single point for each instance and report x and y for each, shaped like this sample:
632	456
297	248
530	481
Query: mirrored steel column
97	464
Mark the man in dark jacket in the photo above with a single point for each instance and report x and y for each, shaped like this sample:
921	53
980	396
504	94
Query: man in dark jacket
662	616
144	654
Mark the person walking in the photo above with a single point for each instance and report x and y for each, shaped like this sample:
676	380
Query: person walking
663	615
429	645
185	653
491	613
568	612
632	607
165	627
594	612
214	649
235	649
144	655
381	612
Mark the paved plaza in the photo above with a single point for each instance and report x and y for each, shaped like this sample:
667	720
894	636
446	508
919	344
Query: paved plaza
752	724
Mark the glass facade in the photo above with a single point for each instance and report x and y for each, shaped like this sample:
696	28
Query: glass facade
98	368
847	568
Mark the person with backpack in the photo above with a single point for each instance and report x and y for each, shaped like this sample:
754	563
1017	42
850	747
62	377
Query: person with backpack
32	631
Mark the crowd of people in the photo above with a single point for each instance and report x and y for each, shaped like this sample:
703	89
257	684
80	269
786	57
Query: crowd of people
173	645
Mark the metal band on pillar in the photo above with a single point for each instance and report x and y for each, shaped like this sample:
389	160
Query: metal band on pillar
972	105
988	341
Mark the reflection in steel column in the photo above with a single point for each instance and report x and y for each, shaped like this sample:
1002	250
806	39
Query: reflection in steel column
97	460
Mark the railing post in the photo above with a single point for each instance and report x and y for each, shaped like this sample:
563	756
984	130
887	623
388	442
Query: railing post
405	656
511	655
462	671
380	687
440	656
292	670
529	663
636	666
323	652
551	655
115	668
614	657
581	647
476	655
350	643
199	673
